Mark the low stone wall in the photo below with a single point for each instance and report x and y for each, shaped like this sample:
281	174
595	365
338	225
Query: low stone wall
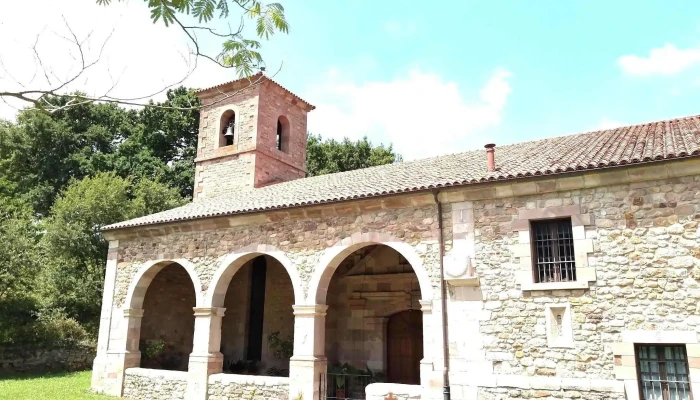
380	391
248	387
518	394
75	357
516	387
156	384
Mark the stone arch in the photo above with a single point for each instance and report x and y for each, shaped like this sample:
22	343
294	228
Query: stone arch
333	256
216	293
139	284
224	117
283	134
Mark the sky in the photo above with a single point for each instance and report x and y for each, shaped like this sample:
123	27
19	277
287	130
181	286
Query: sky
427	79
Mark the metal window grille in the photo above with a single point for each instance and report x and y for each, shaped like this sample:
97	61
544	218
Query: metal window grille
554	251
663	372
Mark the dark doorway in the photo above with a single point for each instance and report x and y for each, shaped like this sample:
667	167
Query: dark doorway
404	347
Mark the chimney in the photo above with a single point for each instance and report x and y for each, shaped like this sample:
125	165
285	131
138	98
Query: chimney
490	157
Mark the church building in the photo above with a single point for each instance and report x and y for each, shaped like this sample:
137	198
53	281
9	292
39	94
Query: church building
566	267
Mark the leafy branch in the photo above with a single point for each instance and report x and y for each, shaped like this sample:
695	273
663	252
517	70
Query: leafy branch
237	52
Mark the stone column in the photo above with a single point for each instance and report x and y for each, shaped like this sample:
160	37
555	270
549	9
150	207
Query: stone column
309	359
431	364
206	357
126	354
99	365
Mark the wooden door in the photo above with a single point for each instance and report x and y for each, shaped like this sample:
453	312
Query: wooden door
404	347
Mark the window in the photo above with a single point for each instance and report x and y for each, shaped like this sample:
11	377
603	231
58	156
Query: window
553	251
663	372
279	135
228	127
282	137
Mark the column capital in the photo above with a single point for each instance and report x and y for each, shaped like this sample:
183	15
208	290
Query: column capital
310	310
208	311
426	306
133	312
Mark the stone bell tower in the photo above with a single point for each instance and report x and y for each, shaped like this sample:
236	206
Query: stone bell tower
252	133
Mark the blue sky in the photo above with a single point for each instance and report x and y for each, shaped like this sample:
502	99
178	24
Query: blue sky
433	80
564	57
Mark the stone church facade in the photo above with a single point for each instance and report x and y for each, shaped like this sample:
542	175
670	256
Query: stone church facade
570	268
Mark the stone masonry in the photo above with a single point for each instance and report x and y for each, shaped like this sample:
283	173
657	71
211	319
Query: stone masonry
635	243
645	252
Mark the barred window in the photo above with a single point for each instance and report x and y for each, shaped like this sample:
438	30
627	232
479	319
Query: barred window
553	251
663	372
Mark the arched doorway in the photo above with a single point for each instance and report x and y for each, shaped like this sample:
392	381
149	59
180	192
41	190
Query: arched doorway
167	326
368	287
404	347
257	330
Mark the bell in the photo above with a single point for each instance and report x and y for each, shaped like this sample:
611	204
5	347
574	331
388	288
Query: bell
229	132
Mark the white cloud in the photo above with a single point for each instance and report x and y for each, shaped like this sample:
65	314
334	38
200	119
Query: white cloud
666	60
420	113
606	123
141	56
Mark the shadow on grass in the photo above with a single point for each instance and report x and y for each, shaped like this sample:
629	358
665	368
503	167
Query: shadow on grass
22	376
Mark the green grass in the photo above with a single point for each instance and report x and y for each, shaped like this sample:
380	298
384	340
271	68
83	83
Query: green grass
48	386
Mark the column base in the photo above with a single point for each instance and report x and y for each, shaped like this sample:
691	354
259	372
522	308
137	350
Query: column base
200	366
305	377
116	364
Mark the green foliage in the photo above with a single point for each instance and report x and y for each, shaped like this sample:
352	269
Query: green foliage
282	348
76	251
152	348
236	51
330	156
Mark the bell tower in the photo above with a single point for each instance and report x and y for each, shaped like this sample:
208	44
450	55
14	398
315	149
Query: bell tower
252	133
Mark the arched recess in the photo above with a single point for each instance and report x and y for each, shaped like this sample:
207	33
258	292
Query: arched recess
228	267
162	298
257	286
139	284
228	118
283	134
333	256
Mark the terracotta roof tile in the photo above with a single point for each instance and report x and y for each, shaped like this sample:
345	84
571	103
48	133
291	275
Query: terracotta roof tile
600	149
254	78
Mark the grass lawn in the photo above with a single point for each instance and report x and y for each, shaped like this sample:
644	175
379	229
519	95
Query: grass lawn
48	386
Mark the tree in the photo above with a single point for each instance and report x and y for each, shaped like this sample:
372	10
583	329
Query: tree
75	251
237	51
330	156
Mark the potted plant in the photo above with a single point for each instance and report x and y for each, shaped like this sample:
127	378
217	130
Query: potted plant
339	374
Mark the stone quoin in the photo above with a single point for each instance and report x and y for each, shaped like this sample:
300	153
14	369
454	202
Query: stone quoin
572	269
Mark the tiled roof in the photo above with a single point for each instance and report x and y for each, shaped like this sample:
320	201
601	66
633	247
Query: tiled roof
586	151
258	78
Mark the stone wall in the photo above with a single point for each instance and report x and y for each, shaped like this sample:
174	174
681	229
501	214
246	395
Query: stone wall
253	160
142	383
277	315
168	316
646	259
75	357
371	285
302	240
245	387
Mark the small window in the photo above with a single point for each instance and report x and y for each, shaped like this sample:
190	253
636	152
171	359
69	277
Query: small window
228	129
663	372
553	251
282	137
279	135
